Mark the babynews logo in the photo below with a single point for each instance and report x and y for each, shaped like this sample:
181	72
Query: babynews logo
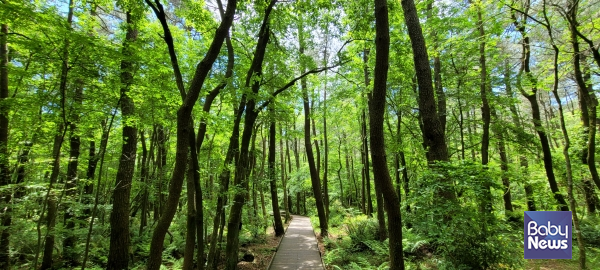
547	234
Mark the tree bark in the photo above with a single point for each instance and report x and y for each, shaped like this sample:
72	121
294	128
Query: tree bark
535	111
286	205
49	245
434	141
484	87
183	136
367	174
118	256
378	193
376	112
5	196
563	128
278	226
523	162
589	99
314	173
243	162
72	176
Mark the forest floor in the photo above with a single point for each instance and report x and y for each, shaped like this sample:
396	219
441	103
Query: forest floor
263	249
592	254
592	262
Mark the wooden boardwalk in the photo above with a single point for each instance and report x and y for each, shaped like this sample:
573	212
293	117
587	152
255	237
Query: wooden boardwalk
298	248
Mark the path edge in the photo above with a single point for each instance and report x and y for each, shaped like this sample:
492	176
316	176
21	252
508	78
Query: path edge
320	255
278	244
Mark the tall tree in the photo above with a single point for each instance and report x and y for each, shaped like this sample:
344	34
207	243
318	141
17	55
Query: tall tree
484	87
586	92
272	179
5	196
376	112
434	141
314	174
118	256
183	136
531	96
243	163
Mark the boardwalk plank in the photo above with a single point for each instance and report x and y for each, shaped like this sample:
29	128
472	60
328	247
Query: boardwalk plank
298	248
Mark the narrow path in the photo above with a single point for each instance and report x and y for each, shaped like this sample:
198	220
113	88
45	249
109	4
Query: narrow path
298	248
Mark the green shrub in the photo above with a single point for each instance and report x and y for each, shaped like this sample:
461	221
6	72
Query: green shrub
590	231
464	236
361	229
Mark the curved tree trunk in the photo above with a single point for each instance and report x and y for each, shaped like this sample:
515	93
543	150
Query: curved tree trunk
531	96
376	113
242	171
183	137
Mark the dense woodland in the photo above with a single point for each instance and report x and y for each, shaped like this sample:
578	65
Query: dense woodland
170	133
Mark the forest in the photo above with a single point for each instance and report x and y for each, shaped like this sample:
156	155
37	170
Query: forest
184	134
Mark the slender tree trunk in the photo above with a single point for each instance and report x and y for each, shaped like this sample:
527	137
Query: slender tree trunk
378	193
183	137
569	172
58	141
51	216
434	141
234	223
523	162
377	107
72	177
5	196
289	163
190	236
278	226
103	144
367	175
484	87
535	110
343	198
283	176
118	256
314	173
144	180
49	245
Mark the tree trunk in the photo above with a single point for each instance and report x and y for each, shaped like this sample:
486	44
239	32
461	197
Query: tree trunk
286	206
118	256
190	235
535	111
278	226
183	138
49	245
314	173
71	185
563	128
376	113
484	87
365	142
234	223
523	162
144	180
378	195
5	196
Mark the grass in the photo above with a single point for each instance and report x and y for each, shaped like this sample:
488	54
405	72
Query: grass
592	261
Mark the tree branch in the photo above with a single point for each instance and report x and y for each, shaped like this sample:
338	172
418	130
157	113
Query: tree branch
292	82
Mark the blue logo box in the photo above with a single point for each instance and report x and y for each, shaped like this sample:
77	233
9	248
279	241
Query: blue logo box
548	234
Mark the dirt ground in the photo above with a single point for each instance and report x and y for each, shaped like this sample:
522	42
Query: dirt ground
263	252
